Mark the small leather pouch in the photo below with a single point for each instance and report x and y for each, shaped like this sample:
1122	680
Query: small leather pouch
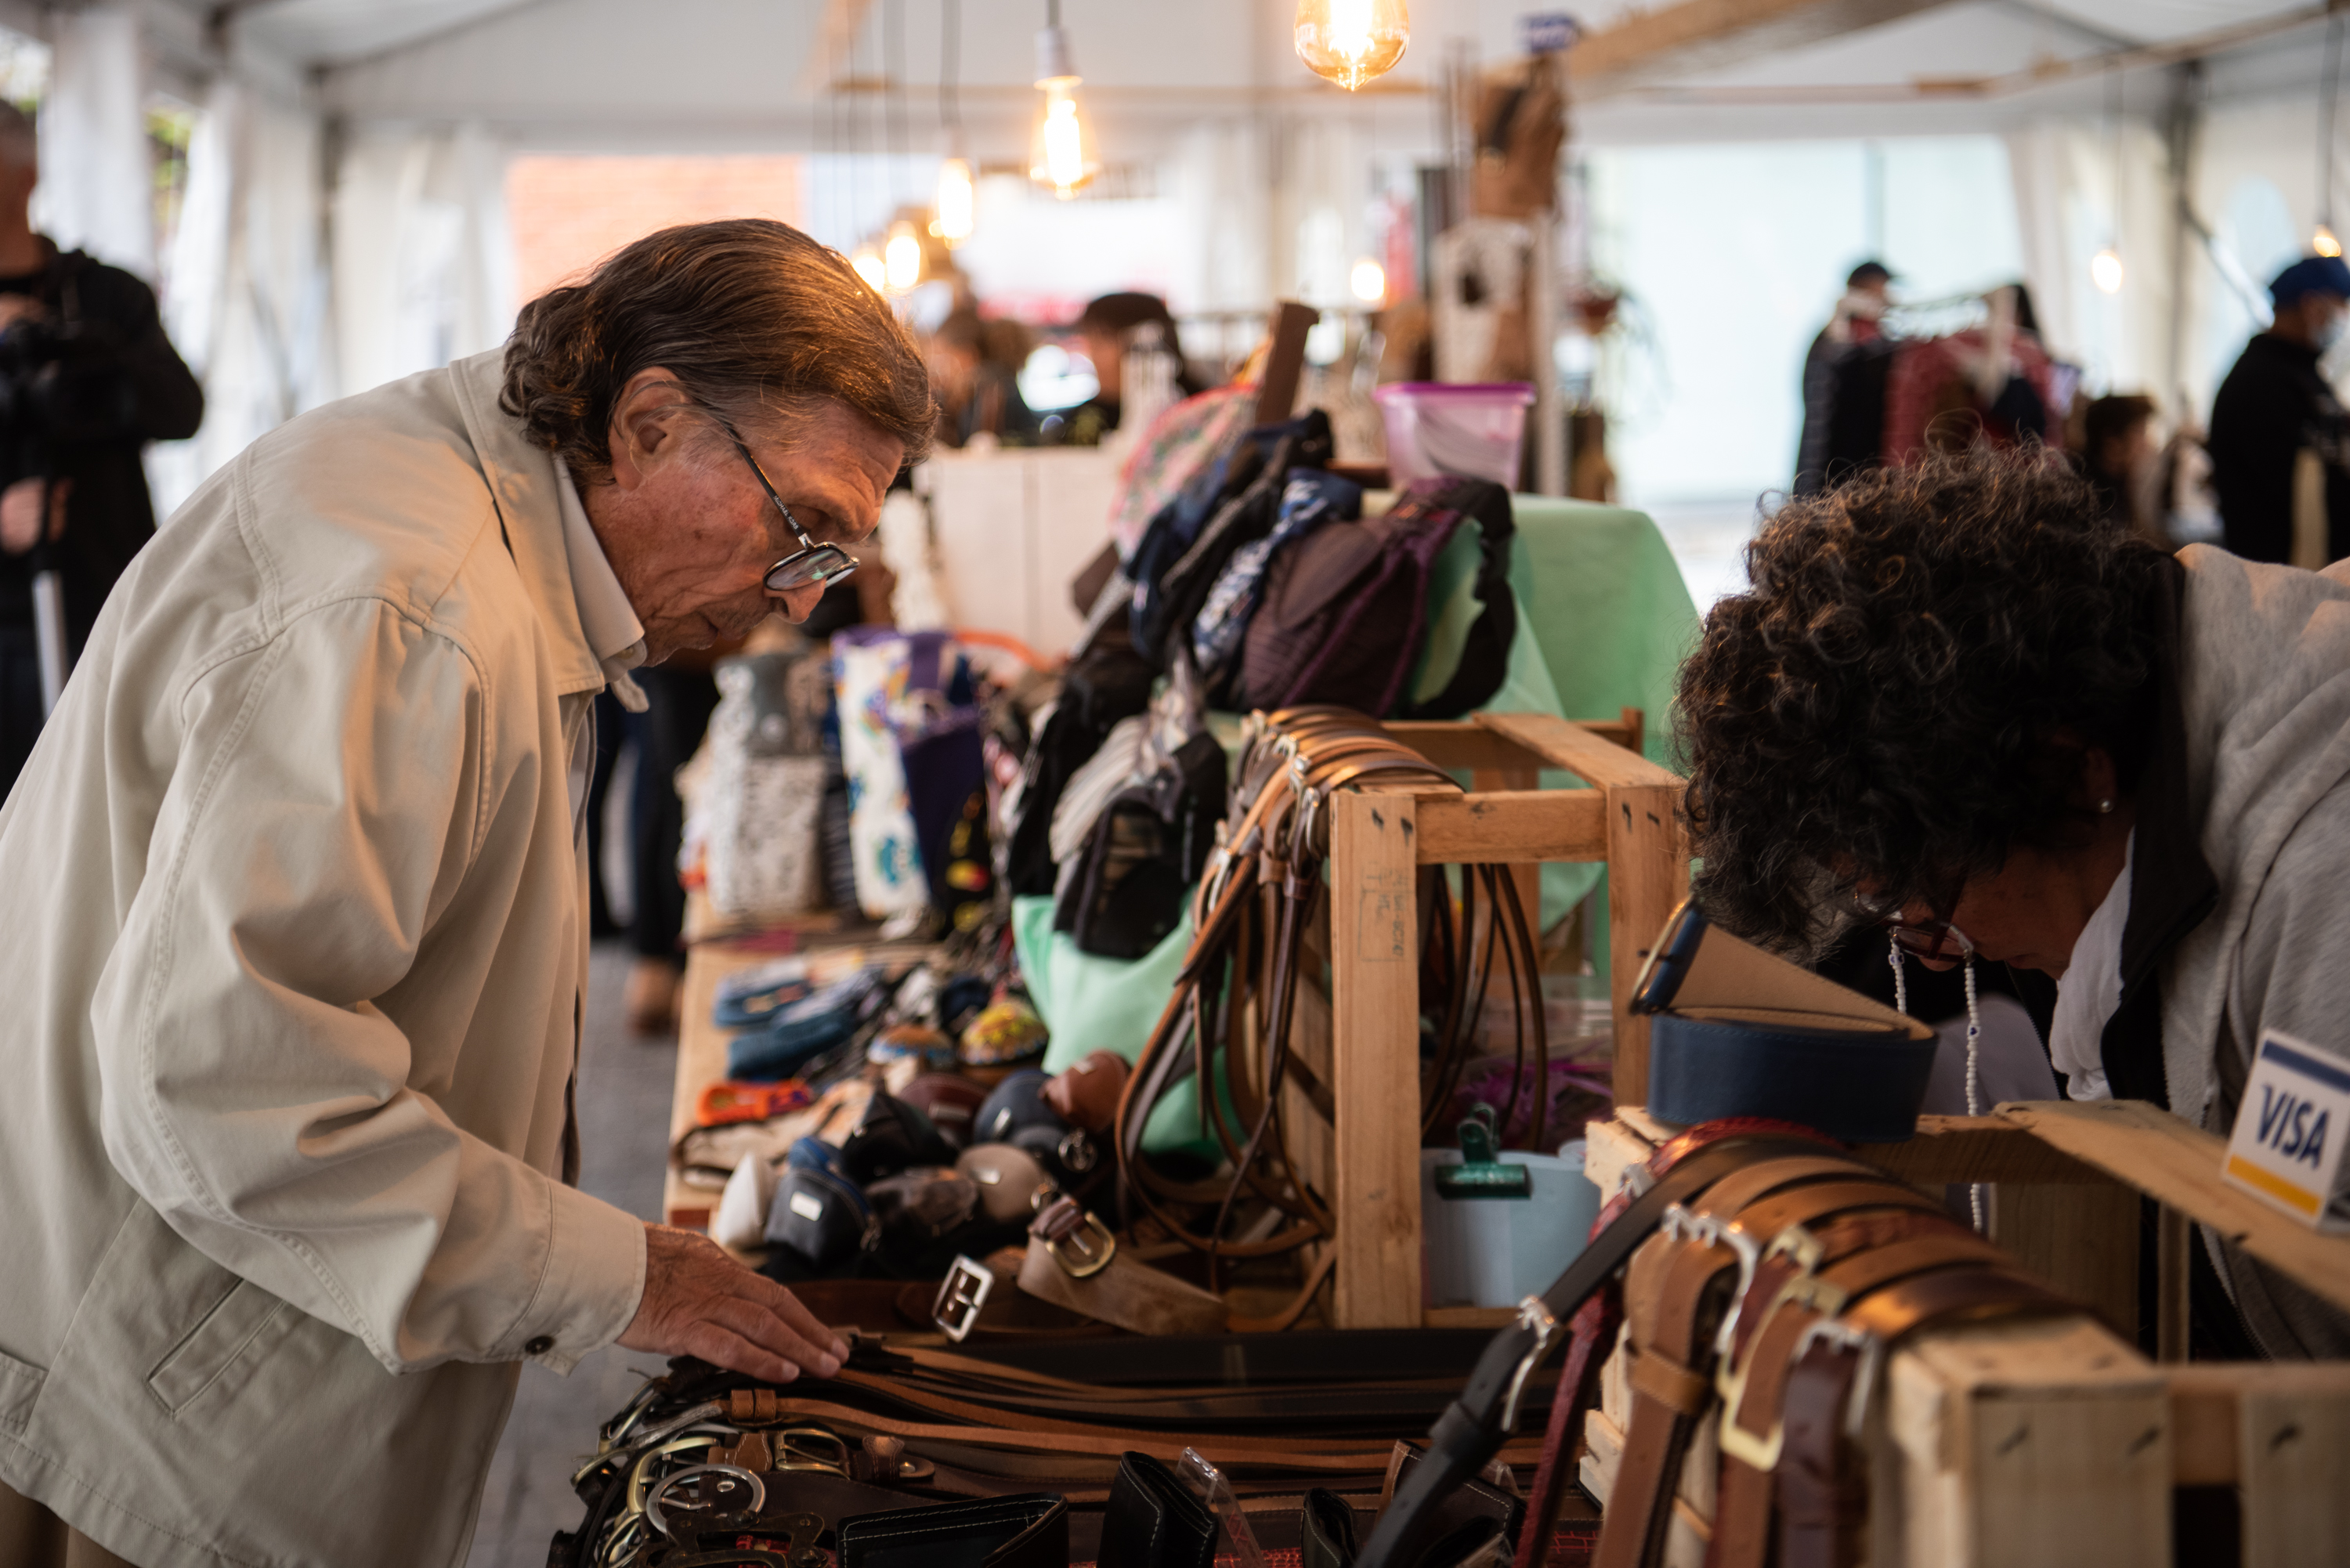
922	1204
951	1102
1471	1514
1029	1529
1325	1530
821	1217
1085	1097
892	1136
1018	1113
1008	1177
1153	1521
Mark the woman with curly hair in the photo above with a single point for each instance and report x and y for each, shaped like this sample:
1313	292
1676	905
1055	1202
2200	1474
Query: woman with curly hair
1960	705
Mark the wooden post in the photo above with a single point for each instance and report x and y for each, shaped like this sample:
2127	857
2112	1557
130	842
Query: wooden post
2173	1236
1647	877
1525	874
2042	1444
1374	1065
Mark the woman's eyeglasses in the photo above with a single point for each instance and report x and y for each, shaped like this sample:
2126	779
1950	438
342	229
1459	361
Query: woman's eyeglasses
1934	941
812	565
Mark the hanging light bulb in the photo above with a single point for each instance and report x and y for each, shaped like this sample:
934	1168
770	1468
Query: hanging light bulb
1058	152
1351	41
870	267
2323	242
2105	270
957	202
1370	281
901	258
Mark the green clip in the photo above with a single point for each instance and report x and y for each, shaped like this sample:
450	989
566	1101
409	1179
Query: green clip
1480	1173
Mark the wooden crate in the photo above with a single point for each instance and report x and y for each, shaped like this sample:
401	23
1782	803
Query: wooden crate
1379	839
2054	1443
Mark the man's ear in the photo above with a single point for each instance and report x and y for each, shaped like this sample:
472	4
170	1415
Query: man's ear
648	427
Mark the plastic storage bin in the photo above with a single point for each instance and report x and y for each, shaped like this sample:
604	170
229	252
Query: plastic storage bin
1496	1251
1475	429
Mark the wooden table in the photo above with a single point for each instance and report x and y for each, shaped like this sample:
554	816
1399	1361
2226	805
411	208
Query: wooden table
702	1044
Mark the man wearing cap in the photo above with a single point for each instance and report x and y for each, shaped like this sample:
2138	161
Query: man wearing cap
1867	294
2280	438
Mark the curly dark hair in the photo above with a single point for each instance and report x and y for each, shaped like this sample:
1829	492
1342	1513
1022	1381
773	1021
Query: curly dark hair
752	317
1908	689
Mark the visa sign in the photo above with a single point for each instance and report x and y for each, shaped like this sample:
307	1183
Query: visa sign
2286	1148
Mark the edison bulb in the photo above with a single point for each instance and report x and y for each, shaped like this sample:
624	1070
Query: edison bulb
2105	270
1370	281
901	259
1059	153
1351	41
956	203
2323	242
870	268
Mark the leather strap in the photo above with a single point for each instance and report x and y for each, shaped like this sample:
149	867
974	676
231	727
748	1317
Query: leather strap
1595	1326
1823	1494
1122	1292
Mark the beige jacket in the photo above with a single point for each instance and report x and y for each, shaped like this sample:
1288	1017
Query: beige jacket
292	951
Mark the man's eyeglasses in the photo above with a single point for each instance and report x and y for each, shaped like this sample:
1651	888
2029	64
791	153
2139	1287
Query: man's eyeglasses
812	565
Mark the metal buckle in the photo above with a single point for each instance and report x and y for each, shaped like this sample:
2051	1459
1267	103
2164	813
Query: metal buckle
1867	1345
1806	1291
960	1295
792	1452
722	1476
1793	1242
1534	1317
1092	1240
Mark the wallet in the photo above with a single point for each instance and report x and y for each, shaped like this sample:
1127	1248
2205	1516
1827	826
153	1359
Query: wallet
1153	1521
1325	1530
1028	1529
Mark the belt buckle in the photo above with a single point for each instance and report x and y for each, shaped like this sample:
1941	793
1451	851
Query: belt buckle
960	1295
1537	1318
1863	1343
792	1450
1092	1240
1793	1242
1811	1293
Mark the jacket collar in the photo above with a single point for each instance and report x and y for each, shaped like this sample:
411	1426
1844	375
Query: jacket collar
524	486
2172	888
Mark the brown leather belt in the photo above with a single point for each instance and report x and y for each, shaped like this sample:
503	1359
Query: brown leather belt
1677	1291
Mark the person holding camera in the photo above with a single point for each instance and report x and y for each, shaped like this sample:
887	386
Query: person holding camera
87	378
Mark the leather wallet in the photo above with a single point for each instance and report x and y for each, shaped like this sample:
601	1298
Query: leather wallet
1325	1530
1153	1521
1029	1529
821	1217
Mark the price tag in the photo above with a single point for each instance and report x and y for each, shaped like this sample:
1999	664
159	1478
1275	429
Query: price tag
2290	1131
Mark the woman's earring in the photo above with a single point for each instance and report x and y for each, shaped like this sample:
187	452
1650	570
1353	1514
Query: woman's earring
2105	808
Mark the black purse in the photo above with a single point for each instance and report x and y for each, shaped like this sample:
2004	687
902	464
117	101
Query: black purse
822	1218
891	1137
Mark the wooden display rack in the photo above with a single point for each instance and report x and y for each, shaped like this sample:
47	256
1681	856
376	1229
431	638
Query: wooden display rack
1379	839
2054	1443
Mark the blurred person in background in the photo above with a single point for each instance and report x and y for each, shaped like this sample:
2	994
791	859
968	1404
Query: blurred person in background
1110	327
2122	460
977	393
88	336
1867	296
2279	441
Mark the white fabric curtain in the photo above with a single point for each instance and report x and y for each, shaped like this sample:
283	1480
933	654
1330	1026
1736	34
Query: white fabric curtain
423	264
2080	187
244	294
96	189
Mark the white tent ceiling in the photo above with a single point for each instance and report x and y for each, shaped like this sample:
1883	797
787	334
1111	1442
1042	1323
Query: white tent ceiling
593	72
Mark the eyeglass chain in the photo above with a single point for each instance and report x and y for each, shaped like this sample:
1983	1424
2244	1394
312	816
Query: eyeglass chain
1974	1053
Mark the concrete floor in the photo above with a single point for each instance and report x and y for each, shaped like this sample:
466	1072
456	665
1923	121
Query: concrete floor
625	1082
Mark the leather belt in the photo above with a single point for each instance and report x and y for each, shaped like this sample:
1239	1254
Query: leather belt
1677	1293
1823	1496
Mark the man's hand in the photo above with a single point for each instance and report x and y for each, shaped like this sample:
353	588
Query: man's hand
20	511
699	1302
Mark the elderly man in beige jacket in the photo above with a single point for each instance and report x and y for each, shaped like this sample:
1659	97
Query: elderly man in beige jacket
293	940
